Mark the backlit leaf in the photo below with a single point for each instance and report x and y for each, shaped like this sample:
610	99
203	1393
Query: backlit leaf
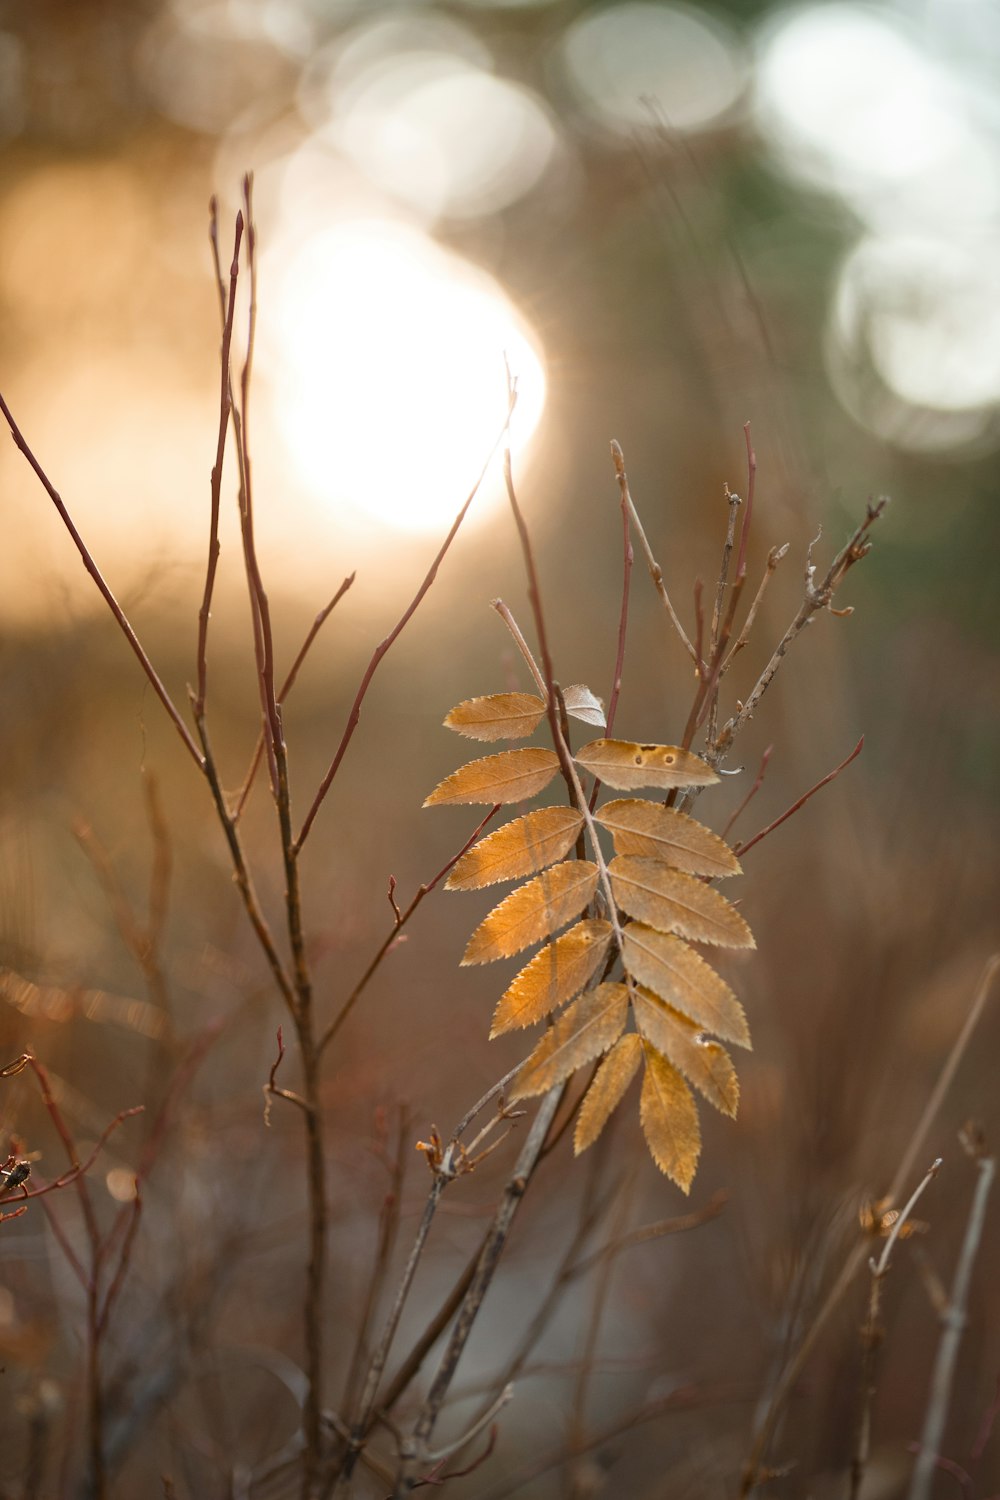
519	848
533	912
553	976
588	1028
657	832
501	716
511	776
683	978
605	1093
704	1063
625	765
671	901
585	705
669	1118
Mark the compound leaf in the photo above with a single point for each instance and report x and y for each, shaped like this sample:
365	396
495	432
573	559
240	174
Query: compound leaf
669	1118
605	1093
553	976
588	1028
626	765
533	912
510	776
500	716
519	848
658	832
683	978
671	901
704	1063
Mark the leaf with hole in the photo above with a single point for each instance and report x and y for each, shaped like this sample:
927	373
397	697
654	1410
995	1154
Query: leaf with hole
704	1063
669	1118
500	716
553	976
533	912
607	1090
658	832
589	1027
671	901
681	976
510	776
626	765
519	848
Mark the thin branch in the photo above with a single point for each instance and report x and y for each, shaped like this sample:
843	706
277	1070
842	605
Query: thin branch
953	1321
628	557
400	919
656	573
752	1469
871	1334
741	849
774	557
225	402
758	783
287	686
816	598
385	645
104	589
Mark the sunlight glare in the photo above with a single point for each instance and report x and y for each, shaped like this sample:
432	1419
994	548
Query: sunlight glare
387	364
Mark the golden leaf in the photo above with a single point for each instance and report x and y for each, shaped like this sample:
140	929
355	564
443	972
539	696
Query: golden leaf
607	1090
669	1118
533	912
501	716
585	705
625	765
704	1063
671	901
588	1028
648	828
553	976
683	978
511	776
519	848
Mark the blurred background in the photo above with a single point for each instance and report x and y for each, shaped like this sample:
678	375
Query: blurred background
670	219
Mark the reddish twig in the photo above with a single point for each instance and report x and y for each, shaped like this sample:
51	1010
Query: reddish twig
287	686
103	587
220	448
385	645
400	919
758	783
741	849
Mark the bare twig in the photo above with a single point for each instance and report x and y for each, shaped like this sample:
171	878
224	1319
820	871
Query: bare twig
871	1336
655	571
385	645
741	849
786	1382
103	587
953	1322
758	783
628	555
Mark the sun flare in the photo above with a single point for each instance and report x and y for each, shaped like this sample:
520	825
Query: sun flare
387	365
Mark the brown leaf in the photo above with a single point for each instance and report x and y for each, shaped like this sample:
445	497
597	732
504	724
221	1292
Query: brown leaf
588	1028
605	1093
553	976
671	901
533	912
658	832
683	978
585	705
625	765
501	716
519	848
704	1063
669	1118
511	776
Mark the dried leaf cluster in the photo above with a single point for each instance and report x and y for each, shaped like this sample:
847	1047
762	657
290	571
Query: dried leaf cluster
671	1011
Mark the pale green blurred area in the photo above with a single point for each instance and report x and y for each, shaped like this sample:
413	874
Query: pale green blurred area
694	217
